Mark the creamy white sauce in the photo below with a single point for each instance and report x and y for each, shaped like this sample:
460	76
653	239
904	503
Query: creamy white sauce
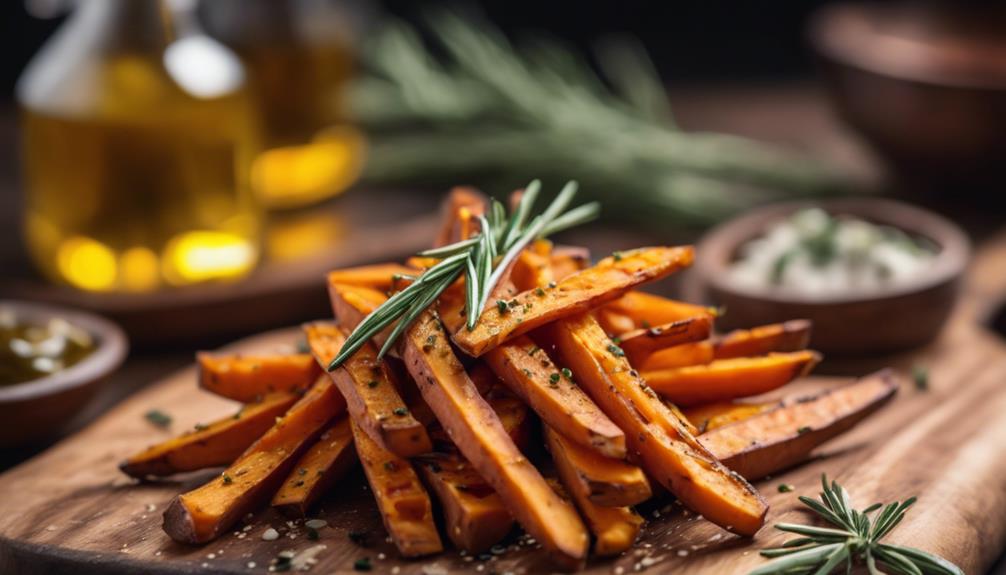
814	253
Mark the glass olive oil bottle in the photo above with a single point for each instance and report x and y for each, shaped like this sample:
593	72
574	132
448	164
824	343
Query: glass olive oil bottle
138	134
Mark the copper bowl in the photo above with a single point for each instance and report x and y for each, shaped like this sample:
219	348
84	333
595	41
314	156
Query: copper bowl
40	407
896	318
925	84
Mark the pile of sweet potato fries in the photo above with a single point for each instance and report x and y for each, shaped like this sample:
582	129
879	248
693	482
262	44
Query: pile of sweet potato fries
631	392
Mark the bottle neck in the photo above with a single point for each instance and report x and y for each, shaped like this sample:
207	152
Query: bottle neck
128	25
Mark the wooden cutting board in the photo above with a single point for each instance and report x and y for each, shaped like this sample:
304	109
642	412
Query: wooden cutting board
70	510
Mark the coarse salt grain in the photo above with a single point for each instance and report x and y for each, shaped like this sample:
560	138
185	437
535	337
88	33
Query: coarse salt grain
270	535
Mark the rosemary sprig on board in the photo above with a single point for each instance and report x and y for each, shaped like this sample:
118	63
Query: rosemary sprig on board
483	259
855	539
465	104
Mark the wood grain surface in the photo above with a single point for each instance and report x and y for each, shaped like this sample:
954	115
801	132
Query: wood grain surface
70	510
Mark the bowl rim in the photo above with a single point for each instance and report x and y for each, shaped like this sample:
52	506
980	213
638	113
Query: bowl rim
109	355
718	245
829	25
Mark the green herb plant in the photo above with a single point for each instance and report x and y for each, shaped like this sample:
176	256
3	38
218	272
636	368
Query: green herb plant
854	539
470	105
482	259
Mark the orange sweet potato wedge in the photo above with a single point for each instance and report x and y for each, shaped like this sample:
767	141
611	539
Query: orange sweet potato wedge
601	480
726	379
321	466
372	398
778	337
248	378
641	343
401	498
377	276
567	260
647	310
708	417
590	288
205	513
460	197
213	445
481	438
528	372
781	437
353	303
474	514
793	335
668	452
698	353
615	529
614	322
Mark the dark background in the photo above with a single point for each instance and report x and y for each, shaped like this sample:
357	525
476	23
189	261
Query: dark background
697	41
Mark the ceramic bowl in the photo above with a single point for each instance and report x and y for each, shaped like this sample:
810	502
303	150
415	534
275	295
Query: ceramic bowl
892	319
38	408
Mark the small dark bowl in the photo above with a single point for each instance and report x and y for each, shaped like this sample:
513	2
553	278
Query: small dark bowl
892	319
925	84
38	408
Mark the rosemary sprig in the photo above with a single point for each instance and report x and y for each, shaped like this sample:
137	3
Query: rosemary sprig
464	103
483	259
854	539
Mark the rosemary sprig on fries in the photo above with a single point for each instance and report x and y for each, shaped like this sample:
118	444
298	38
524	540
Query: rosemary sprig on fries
821	550
483	259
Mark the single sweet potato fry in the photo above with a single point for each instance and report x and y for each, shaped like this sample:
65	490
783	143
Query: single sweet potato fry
779	438
352	304
213	445
368	385
528	372
317	470
778	337
712	415
647	310
793	335
567	260
615	529
601	480
532	270
726	379
474	515
459	197
401	498
641	343
209	511
614	322
698	353
668	451
481	438
248	378
377	276
590	288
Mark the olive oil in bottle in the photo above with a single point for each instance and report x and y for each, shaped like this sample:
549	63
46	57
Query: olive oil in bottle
136	175
300	60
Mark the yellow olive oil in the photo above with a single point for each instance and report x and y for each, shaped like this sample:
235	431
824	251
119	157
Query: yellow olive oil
310	153
144	186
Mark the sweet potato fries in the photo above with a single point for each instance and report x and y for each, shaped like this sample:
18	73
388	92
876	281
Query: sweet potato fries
565	354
